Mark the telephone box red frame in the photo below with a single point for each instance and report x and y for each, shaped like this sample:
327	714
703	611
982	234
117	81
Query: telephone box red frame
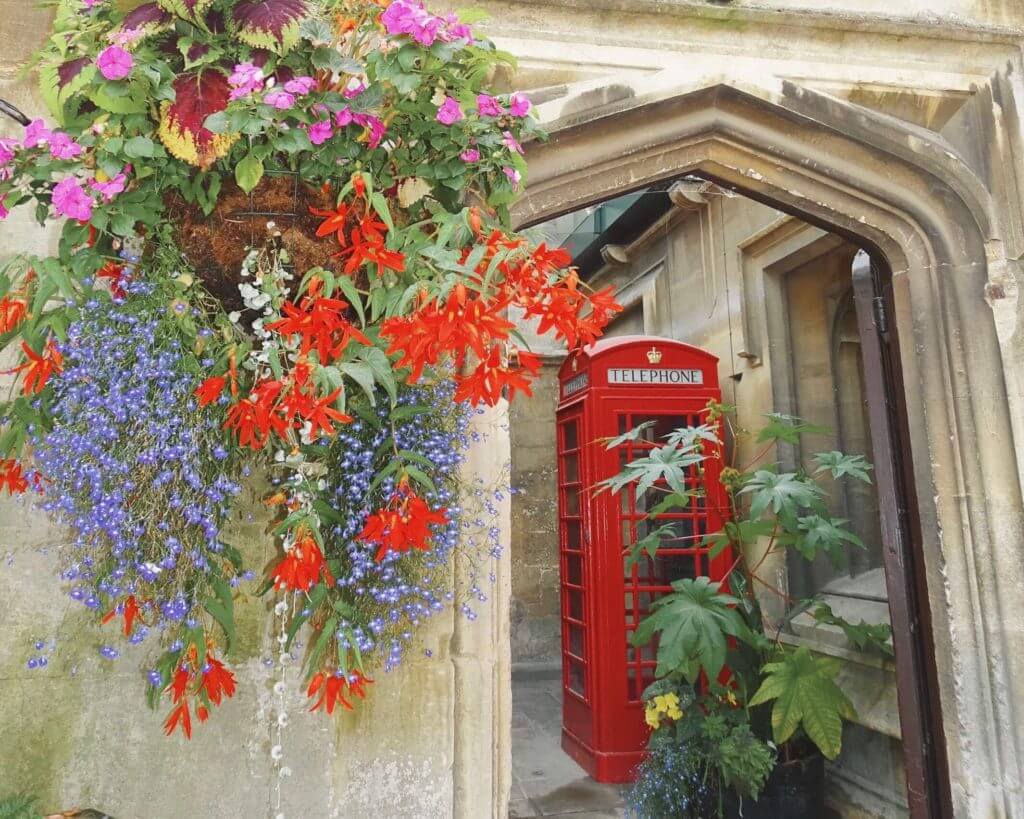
605	390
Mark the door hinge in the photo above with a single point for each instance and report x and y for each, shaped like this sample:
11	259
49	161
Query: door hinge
881	314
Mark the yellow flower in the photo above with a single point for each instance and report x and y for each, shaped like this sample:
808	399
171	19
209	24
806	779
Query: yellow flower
730	698
675	713
651	716
666	702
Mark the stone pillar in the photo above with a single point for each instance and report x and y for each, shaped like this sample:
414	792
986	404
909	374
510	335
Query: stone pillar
481	649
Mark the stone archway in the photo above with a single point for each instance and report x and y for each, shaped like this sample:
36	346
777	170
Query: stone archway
906	192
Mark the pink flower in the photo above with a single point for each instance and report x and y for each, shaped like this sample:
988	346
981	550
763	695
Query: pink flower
519	105
513	175
115	63
126	38
108	190
353	88
91	4
320	131
36	134
449	112
244	80
63	147
488	106
7	147
3	207
375	125
279	99
510	142
470	155
456	30
343	117
70	199
300	86
405	17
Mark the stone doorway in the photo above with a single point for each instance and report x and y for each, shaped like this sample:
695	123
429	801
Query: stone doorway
771	297
931	218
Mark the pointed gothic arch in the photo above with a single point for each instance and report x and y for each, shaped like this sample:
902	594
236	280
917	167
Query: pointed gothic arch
905	192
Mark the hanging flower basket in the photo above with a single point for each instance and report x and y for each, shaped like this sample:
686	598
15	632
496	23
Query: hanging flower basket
267	267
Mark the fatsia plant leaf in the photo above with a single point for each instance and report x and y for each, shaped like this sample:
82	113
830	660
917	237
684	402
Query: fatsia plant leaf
665	463
737	532
785	494
815	534
649	544
182	130
690	437
694	623
806	696
876	637
633	434
840	465
270	24
786	428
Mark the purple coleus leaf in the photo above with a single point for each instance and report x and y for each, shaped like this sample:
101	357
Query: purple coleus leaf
147	16
191	9
271	24
59	82
66	72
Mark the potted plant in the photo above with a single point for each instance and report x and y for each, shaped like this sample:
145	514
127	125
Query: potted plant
747	717
285	252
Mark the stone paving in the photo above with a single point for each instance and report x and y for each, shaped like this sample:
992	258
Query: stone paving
545	780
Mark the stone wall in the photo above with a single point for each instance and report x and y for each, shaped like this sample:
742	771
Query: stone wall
536	625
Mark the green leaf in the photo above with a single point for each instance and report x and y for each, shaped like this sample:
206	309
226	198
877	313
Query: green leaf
816	533
249	172
224	615
673	500
784	494
635	434
840	465
325	636
649	543
420	477
737	533
691	437
139	147
666	463
217	123
362	374
787	428
806	696
694	623
293	141
873	637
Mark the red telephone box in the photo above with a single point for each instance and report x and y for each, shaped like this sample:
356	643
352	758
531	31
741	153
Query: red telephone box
604	390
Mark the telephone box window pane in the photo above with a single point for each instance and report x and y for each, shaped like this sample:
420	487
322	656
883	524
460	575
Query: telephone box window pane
571	467
572	501
673	567
663	425
574	570
576	678
575	604
571	435
576	640
572	535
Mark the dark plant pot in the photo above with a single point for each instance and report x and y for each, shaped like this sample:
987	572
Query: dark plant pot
795	790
